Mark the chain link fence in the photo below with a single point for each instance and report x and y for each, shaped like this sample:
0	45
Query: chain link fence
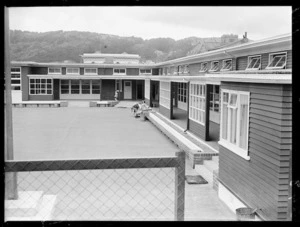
109	189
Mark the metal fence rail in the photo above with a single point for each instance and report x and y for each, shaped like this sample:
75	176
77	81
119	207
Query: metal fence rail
106	189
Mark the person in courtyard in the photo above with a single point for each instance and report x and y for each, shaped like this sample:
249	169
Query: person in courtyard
135	108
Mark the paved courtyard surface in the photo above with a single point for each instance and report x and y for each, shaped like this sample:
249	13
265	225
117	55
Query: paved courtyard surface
76	132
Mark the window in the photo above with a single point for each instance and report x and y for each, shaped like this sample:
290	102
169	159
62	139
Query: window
214	66
85	87
186	69
164	94
227	65
75	87
277	61
168	71
39	86
214	98
118	85
54	70
120	71
96	86
197	103
182	92
203	67
145	71
64	87
90	71
235	121
15	74
175	70
73	71
254	63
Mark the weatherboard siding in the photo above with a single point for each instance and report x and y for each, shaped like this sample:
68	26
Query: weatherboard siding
263	181
197	129
165	111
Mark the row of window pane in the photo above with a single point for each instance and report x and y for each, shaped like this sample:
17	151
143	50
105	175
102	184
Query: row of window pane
40	86
197	102
182	92
80	87
164	94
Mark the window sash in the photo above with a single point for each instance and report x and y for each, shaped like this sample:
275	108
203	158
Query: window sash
120	71
227	65
254	63
72	71
39	86
197	103
214	66
276	59
203	67
235	121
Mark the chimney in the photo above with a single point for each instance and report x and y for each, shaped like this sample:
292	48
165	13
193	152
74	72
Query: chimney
245	36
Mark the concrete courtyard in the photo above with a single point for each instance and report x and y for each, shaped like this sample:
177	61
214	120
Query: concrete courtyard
82	133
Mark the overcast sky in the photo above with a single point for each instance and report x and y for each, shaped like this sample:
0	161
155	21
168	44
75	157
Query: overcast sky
153	22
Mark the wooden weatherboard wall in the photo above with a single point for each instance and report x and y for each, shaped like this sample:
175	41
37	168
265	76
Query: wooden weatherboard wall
263	181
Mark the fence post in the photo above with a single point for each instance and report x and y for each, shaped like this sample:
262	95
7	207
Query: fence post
179	186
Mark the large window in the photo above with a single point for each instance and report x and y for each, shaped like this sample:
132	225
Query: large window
75	86
182	91
214	66
203	67
235	121
181	69
197	103
164	94
72	71
15	78
92	71
214	98
227	65
120	71
39	86
64	87
254	62
96	86
277	61
85	87
54	70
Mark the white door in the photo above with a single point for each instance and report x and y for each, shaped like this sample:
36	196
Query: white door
127	90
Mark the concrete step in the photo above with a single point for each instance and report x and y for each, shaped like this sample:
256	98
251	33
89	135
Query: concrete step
44	212
205	173
27	204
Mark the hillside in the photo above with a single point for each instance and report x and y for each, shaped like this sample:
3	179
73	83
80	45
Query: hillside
58	46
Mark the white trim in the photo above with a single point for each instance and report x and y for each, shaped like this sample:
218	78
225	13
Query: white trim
54	72
270	61
161	97
145	72
248	62
222	69
212	65
192	105
72	72
93	73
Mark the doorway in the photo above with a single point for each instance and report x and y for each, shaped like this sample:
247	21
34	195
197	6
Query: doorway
127	90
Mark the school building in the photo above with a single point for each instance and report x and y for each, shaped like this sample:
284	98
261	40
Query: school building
239	96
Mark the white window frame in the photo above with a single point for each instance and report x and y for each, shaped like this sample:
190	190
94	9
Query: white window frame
214	99
194	106
180	69
201	67
13	78
72	73
89	73
54	69
271	57
235	148
250	58
224	64
29	82
212	66
182	92
145	73
120	85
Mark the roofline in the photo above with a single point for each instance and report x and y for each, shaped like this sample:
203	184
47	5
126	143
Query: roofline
271	40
